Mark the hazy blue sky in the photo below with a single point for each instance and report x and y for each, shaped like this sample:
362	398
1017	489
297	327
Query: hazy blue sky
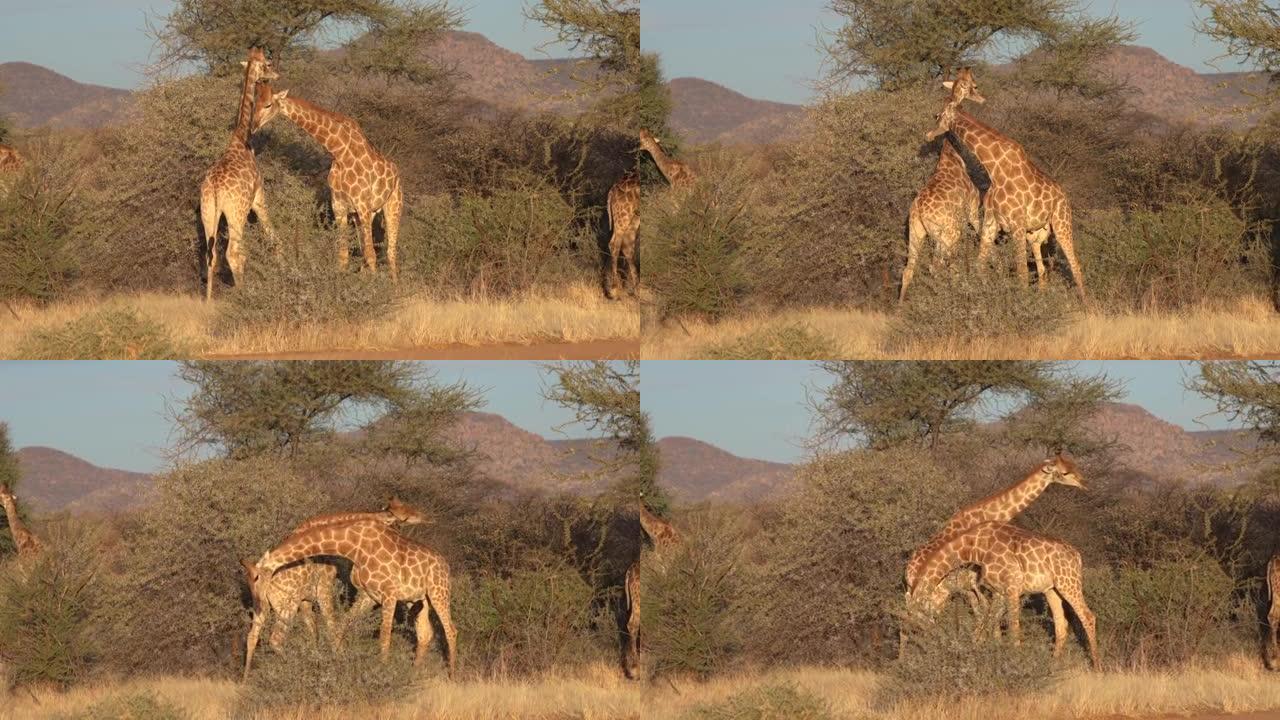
769	49
104	41
757	409
113	413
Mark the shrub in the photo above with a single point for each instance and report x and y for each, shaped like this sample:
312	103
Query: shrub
689	595
1191	252
46	609
771	702
948	662
111	334
787	342
129	707
963	306
1167	614
842	542
525	622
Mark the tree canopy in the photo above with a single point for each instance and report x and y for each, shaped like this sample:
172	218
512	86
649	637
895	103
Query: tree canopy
1250	29
896	43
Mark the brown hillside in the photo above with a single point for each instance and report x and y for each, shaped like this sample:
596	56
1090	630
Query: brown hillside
34	96
53	481
706	112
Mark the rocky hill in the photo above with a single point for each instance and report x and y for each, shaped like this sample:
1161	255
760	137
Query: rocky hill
34	96
53	480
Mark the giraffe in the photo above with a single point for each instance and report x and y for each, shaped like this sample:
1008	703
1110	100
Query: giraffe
1022	201
1015	561
624	220
386	568
946	201
299	587
1273	615
10	159
662	535
1001	506
361	180
233	186
24	540
678	173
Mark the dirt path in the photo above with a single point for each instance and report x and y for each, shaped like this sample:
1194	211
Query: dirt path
593	350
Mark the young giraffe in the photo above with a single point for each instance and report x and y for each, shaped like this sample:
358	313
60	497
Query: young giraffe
24	540
679	174
939	210
1015	561
1273	615
663	535
361	180
1022	200
624	220
233	187
299	587
386	568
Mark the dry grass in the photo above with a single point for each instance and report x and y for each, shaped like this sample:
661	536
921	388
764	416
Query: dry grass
598	694
1240	685
1250	330
576	313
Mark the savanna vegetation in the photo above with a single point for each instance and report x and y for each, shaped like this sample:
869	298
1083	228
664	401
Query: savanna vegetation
792	607
806	238
504	223
144	613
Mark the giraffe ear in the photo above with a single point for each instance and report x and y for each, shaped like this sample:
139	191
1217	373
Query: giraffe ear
281	95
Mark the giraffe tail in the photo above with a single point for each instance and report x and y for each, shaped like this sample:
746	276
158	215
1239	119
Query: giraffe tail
609	208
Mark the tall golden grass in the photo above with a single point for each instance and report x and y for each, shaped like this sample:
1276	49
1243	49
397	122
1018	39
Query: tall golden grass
1250	330
575	313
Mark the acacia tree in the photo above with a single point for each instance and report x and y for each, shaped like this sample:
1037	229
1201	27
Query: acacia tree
896	43
1250	29
1248	391
389	34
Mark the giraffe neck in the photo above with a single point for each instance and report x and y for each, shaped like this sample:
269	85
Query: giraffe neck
659	531
240	136
987	145
1019	497
660	157
949	555
382	516
326	127
341	542
950	157
16	527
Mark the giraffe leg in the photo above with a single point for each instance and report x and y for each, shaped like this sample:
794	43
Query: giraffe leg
614	284
324	601
1013	605
260	211
1062	232
391	220
255	630
280	630
1037	240
209	219
990	229
423	633
309	619
1273	624
916	235
631	663
1059	620
365	220
235	249
340	216
384	633
439	602
1074	596
629	254
363	604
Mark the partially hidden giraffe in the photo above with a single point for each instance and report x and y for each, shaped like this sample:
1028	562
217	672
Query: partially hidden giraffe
1002	506
298	588
662	535
233	186
24	540
624	222
10	159
361	180
1015	562
387	568
948	199
678	173
1022	201
1273	615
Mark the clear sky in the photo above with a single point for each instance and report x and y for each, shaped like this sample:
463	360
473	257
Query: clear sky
105	42
113	414
757	409
769	49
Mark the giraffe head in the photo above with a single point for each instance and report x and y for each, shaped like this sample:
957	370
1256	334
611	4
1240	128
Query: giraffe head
258	67
1061	469
405	513
6	495
648	140
266	105
962	88
253	576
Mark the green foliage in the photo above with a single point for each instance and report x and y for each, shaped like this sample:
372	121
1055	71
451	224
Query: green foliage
46	609
691	240
771	702
795	341
501	243
1247	392
216	33
689	595
1250	29
948	662
964	306
137	706
841	542
1180	608
110	334
1192	252
522	623
897	42
42	221
176	601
